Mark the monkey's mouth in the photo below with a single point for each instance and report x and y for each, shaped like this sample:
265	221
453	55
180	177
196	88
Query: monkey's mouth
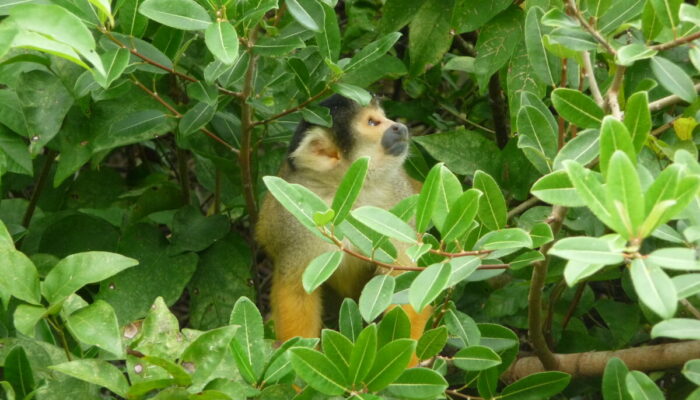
395	140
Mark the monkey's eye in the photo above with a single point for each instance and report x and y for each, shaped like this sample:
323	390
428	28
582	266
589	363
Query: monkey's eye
372	122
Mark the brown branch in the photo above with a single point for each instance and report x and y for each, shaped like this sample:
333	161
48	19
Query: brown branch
648	358
613	92
177	114
39	187
539	276
677	42
522	207
668	101
691	308
247	125
461	253
596	35
561	124
293	109
498	111
574	303
462	396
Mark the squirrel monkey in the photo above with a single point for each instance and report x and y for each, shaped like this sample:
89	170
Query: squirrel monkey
318	158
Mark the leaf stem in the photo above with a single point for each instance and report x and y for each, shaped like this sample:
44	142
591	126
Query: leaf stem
596	35
247	125
38	187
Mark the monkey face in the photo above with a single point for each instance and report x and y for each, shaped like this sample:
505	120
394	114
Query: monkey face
373	126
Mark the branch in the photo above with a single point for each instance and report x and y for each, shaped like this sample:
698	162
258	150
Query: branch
592	83
648	358
177	114
668	100
677	42
293	109
539	275
522	207
498	111
247	125
614	90
596	35
38	187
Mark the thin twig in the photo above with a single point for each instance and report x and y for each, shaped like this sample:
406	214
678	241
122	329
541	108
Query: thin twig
522	207
691	308
461	253
293	109
596	35
572	306
668	100
539	275
464	119
498	111
592	83
38	187
661	129
183	172
677	42
462	396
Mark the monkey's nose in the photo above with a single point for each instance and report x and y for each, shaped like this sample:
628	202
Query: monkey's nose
395	139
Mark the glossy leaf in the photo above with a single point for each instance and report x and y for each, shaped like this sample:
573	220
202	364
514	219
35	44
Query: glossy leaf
583	149
463	326
556	188
427	198
492	205
679	258
461	216
320	269
418	383
590	189
462	268
99	372
546	66
614	136
376	296
97	325
677	328
625	200
390	363
338	348
673	78
385	223
222	40
506	239
18	275
431	343
654	288
428	285
614	386
349	189
537	386
350	320
577	108
196	118
638	119
178	14
641	386
318	371
307	12
586	250
363	355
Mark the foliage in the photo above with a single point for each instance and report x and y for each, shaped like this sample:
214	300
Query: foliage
557	145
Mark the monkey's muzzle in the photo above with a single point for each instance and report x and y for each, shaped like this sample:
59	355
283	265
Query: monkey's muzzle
395	139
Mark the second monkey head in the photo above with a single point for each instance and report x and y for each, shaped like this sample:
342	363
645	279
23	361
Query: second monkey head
356	132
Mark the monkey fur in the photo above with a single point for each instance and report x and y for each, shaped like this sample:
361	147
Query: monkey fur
318	158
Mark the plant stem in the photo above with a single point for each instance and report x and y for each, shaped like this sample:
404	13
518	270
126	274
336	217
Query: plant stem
668	100
247	125
522	207
183	174
498	111
38	187
596	35
293	109
592	83
614	91
677	42
539	276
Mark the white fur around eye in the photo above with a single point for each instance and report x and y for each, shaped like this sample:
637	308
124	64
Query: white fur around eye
316	151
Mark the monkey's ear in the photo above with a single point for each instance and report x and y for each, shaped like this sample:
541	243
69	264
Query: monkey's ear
316	151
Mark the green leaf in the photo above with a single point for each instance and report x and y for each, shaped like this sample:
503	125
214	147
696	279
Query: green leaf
323	218
115	62
686	285
449	191
691	370
673	78
385	223
298	200
376	296
349	189
394	325
397	13
418	383
625	200
134	128
338	349
77	270
390	362
99	372
627	55
353	92
363	355
541	233
431	343
582	149
572	39
556	188
677	258
196	118
461	216
222	40
97	325
537	386
463	326
320	269
429	35
614	386
247	345
590	189
318	371
328	39
586	250
534	125
209	352
179	14
179	374
496	43
18	372
577	108
462	268
641	387
130	20
492	205
654	288
638	119
307	12
18	275
58	29
373	51
509	238
677	328
620	12
614	136
547	67
428	197
428	285
667	11
26	317
577	270
350	319
476	358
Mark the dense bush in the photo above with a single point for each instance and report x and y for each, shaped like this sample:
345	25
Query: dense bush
560	210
